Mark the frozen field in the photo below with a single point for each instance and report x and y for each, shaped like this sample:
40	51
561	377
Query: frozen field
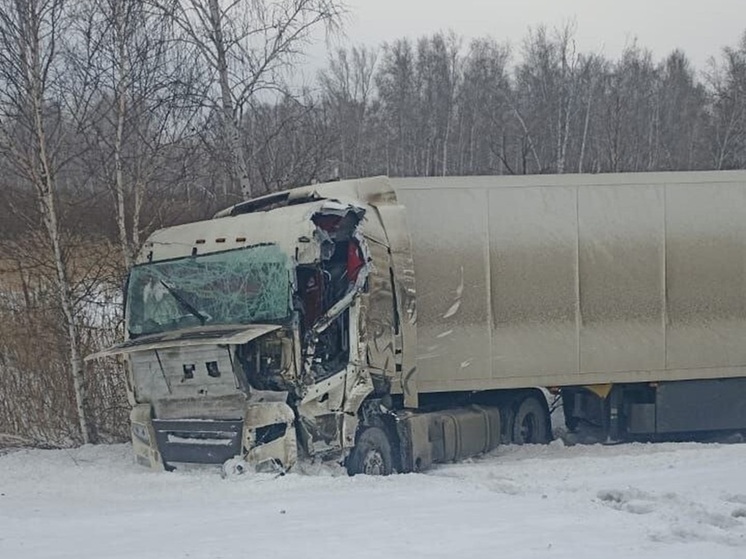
663	501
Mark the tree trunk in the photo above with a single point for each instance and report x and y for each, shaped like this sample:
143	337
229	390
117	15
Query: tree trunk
585	128
48	206
231	133
42	177
121	114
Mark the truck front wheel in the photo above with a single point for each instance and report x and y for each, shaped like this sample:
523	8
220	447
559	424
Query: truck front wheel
372	454
531	423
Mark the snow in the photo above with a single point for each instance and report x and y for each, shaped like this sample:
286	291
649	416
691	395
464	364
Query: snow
635	500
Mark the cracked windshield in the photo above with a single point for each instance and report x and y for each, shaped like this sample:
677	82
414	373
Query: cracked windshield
241	286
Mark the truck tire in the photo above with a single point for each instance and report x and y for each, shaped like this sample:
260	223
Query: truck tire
531	423
571	422
372	454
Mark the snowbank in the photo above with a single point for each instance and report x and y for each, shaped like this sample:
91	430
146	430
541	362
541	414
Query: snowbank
665	500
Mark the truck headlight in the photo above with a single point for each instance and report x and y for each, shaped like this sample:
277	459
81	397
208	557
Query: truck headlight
140	432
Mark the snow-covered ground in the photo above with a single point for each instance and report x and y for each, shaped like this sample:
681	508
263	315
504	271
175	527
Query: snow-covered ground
664	500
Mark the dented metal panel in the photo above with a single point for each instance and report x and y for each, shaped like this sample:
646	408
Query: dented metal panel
380	313
402	270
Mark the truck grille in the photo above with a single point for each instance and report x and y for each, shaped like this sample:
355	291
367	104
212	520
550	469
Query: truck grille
198	441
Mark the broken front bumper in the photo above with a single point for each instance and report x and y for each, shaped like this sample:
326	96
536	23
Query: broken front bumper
264	438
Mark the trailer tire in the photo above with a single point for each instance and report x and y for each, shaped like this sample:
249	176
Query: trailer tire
372	454
507	421
568	399
531	422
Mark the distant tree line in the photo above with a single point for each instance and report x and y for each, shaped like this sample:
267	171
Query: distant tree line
121	116
437	107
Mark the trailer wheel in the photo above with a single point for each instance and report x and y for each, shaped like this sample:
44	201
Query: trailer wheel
372	454
531	423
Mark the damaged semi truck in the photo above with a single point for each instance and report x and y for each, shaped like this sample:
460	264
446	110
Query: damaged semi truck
392	323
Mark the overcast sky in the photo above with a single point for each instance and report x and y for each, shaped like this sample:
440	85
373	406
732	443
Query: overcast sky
700	27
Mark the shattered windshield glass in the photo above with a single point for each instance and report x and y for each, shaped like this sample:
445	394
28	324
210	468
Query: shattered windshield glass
240	286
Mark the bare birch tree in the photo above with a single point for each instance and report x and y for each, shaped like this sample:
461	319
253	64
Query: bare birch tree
248	47
439	76
398	90
140	84
727	85
33	136
592	72
347	89
547	84
484	113
680	116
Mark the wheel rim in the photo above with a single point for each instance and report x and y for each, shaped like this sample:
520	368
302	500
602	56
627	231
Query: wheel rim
373	464
528	428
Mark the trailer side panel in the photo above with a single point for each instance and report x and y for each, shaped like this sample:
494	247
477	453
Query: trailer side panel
571	280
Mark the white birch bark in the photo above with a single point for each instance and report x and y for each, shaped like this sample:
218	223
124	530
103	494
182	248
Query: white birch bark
28	35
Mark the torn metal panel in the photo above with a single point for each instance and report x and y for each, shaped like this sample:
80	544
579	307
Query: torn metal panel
336	227
325	396
381	315
342	275
359	383
358	388
310	373
143	437
320	415
269	434
394	219
340	209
